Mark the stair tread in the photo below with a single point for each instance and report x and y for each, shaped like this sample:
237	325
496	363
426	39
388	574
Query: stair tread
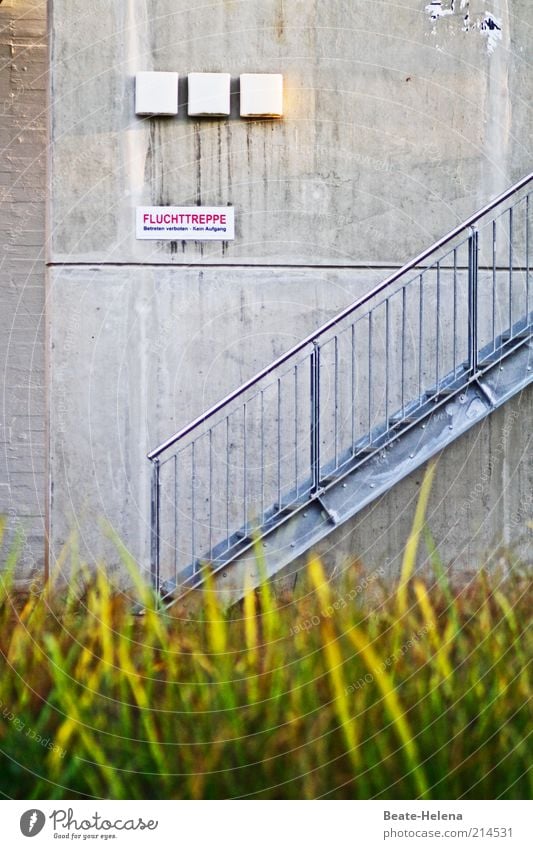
289	506
520	334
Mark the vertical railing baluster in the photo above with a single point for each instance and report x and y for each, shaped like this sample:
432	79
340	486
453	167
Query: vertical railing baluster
193	508
387	330
420	332
511	271
494	267
176	515
245	471
210	493
227	483
455	313
336	409
404	294
296	429
262	456
155	518
370	342
315	416
472	299
527	261
353	387
437	341
279	443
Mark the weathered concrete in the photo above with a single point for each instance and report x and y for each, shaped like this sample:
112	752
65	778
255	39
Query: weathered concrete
137	353
396	127
23	83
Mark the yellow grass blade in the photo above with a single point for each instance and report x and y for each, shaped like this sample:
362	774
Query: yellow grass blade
250	625
334	662
216	623
269	611
392	704
440	647
411	548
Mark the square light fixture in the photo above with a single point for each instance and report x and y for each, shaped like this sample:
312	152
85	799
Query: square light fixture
209	94
261	95
156	93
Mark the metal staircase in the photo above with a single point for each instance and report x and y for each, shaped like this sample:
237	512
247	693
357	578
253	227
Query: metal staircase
349	411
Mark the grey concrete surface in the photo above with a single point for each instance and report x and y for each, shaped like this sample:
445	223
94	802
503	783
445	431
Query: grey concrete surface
396	126
136	353
23	84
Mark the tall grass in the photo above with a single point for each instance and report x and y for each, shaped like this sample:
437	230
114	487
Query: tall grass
419	692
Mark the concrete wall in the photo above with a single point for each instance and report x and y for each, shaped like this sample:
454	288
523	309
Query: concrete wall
397	126
23	84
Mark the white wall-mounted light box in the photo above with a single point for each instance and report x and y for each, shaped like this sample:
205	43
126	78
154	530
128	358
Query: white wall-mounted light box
209	94
156	93
261	95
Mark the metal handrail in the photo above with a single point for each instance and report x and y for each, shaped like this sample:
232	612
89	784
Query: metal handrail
153	455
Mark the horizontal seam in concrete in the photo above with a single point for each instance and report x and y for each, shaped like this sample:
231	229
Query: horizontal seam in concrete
362	266
211	265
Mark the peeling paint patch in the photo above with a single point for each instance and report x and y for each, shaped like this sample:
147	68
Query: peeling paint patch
436	9
458	13
491	27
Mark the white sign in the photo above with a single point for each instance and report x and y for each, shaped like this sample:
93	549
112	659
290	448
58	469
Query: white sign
199	223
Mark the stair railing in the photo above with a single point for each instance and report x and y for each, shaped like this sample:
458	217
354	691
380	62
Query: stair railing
342	393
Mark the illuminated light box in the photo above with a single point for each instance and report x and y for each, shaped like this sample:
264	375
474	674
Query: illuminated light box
261	95
156	93
209	94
